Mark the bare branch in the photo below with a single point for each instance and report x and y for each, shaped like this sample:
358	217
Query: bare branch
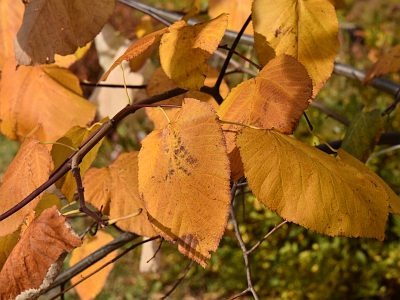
179	281
266	236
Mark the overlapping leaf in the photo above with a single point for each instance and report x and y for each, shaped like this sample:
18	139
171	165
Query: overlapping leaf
306	30
116	189
334	196
29	169
185	49
363	134
160	83
92	286
74	137
38	257
184	180
389	63
48	95
63	22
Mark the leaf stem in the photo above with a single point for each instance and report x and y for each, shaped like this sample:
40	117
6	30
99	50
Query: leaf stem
60	144
240	124
123	78
165	114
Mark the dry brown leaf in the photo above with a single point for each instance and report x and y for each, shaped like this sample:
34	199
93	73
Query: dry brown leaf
184	180
38	257
97	183
389	63
91	287
336	196
160	83
67	24
29	169
49	97
11	13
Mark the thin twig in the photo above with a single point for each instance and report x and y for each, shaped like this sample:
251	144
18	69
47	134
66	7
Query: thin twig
331	113
110	85
240	55
266	236
179	281
158	250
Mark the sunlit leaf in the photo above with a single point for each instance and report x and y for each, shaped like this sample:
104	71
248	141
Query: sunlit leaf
185	49
97	183
336	196
160	83
135	49
92	286
29	169
306	30
74	137
38	257
389	63
47	95
11	13
363	134
67	26
184	180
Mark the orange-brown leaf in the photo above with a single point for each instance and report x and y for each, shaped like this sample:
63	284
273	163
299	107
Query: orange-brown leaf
97	183
29	169
135	49
389	63
184	180
38	257
91	287
46	95
67	25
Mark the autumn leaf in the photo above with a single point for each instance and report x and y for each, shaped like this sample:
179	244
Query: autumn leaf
160	83
338	4
50	96
11	13
92	286
336	196
238	11
306	30
38	257
63	22
29	169
119	182
363	134
7	244
60	152
276	98
389	63
185	49
184	180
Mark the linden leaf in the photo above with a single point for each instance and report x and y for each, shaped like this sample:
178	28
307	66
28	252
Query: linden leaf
49	96
160	83
185	49
125	195
7	244
63	22
363	134
11	13
74	137
238	11
306	30
389	63
97	183
333	196
38	257
29	169
135	49
184	180
92	286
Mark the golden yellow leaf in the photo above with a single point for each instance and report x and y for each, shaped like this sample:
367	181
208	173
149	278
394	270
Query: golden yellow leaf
238	11
97	184
306	30
135	49
7	244
45	95
68	25
185	49
38	257
11	13
29	169
91	287
335	196
48	200
125	196
74	137
184	180
160	83
389	63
